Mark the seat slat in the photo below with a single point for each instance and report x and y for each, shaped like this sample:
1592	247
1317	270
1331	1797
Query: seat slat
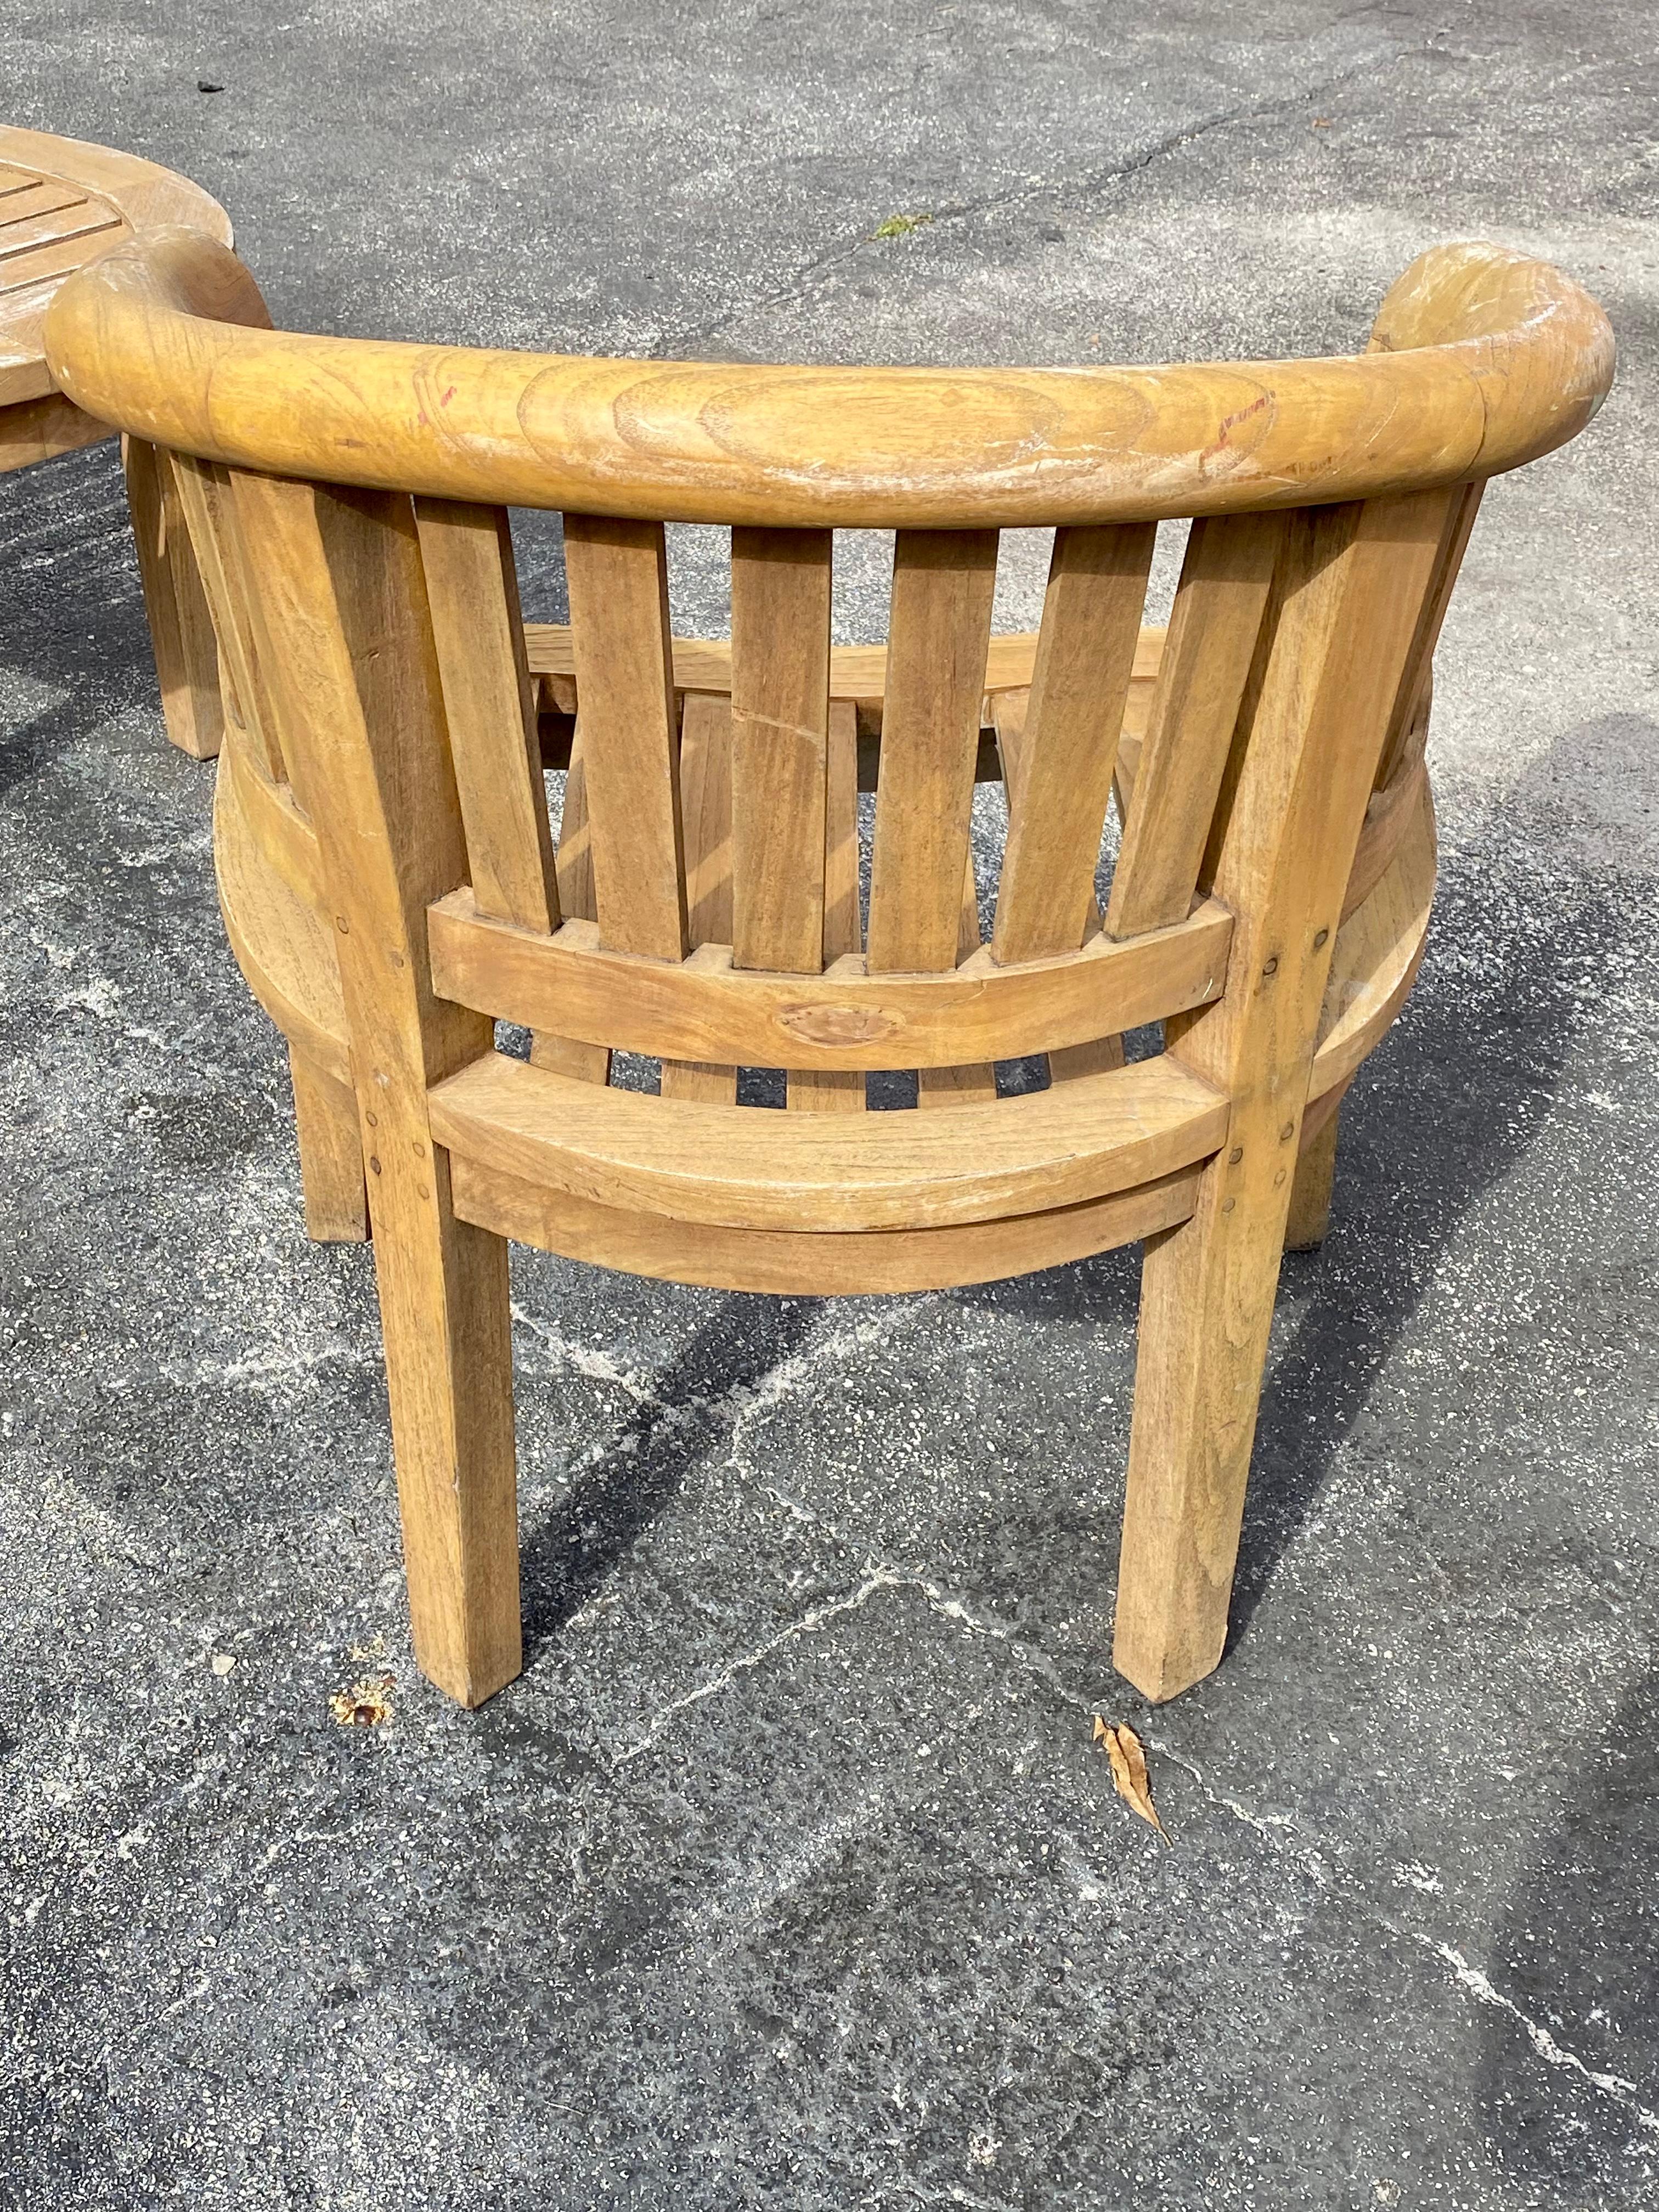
730	1165
806	1263
938	640
618	574
1079	684
1221	604
472	589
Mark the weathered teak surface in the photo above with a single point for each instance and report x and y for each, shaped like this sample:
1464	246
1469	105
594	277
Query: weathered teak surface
715	901
62	202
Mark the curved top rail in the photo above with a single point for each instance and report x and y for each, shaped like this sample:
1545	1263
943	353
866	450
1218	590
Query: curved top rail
1482	360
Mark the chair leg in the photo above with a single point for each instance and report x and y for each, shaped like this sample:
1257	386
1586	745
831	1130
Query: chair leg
447	1332
1206	1300
331	1156
1310	1191
180	627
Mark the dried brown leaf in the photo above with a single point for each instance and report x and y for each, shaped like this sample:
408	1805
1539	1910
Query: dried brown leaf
1129	1776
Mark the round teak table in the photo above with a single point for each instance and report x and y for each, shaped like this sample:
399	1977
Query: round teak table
62	202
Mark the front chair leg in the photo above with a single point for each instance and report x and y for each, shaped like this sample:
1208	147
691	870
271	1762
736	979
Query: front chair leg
331	1155
1206	1300
448	1330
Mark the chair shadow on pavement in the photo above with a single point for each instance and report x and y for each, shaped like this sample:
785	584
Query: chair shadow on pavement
572	1550
1577	1952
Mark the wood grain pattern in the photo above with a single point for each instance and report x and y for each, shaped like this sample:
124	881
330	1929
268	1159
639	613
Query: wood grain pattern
706	818
708	1010
1079	686
943	583
1221	604
1520	360
738	1168
180	625
810	1264
780	734
617	573
472	590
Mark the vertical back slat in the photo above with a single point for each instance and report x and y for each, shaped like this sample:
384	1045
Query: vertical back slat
833	1091
944	1086
617	573
572	866
472	594
209	506
942	585
574	861
1220	608
706	815
472	590
1408	721
180	624
1080	682
780	582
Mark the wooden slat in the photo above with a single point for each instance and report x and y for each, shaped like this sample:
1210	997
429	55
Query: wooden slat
331	1173
618	574
705	1009
473	591
780	715
472	587
1095	1055
948	1087
825	1090
706	814
210	509
732	1165
1085	660
804	1263
76	219
943	584
574	863
22	201
1221	604
1408	722
574	873
55	258
339	574
180	625
1351	582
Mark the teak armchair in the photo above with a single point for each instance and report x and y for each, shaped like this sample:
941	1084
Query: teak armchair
392	891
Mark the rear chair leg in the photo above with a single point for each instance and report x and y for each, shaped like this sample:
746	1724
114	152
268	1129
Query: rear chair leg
1206	1301
1310	1192
448	1336
331	1155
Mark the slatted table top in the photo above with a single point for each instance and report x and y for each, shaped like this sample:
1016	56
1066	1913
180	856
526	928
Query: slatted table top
63	201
